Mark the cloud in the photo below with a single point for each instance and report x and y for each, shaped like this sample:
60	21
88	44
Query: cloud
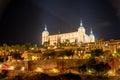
116	5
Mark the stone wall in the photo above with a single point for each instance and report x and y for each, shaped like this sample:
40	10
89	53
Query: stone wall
59	64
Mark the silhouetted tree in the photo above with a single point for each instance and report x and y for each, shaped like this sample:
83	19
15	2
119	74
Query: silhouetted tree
69	53
62	54
102	67
16	55
82	68
97	53
91	63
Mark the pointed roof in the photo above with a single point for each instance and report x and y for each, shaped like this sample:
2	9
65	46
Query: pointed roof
45	28
91	32
81	24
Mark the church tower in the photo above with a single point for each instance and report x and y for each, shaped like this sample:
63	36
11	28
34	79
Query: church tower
91	36
81	33
45	35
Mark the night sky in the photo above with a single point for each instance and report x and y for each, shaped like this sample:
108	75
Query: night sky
23	21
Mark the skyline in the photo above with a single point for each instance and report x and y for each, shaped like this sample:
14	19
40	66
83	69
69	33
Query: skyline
23	21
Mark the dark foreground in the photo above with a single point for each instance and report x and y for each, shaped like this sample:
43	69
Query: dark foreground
66	76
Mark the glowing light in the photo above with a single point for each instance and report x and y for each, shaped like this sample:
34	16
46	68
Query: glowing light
34	58
55	70
11	68
23	68
0	66
89	71
111	73
39	70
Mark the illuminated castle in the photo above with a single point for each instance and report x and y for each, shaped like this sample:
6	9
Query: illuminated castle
79	36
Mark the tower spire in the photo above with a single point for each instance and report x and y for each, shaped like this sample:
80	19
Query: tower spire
81	24
59	32
91	32
45	27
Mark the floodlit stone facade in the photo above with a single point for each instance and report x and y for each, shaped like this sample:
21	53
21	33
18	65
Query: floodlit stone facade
77	37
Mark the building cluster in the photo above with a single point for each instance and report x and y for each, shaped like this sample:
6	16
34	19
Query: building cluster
110	46
78	36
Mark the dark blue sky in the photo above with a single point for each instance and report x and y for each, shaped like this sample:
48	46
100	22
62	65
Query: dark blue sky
23	21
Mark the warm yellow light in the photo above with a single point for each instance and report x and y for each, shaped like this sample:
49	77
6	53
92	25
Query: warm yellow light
89	71
111	73
0	66
55	70
11	68
34	58
23	68
39	70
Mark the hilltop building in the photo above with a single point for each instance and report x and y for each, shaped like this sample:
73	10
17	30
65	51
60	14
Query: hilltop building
79	36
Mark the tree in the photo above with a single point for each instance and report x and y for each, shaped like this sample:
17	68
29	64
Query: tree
16	55
29	56
46	55
52	54
69	53
118	52
62	54
97	53
5	46
16	47
91	63
102	67
46	44
82	68
1	59
28	46
49	54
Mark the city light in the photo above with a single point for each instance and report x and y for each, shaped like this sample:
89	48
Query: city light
11	68
39	69
55	70
22	68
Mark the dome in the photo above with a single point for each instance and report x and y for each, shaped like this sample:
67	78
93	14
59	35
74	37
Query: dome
45	30
91	35
81	27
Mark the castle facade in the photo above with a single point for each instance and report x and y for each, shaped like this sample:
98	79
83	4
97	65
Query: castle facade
79	36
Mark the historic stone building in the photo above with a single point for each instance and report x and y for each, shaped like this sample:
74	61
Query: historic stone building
79	36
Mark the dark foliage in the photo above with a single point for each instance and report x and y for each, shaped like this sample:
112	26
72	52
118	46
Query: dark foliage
91	63
97	52
102	67
82	68
16	55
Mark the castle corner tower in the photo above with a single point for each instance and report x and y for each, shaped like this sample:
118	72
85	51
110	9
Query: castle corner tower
45	35
81	33
91	36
